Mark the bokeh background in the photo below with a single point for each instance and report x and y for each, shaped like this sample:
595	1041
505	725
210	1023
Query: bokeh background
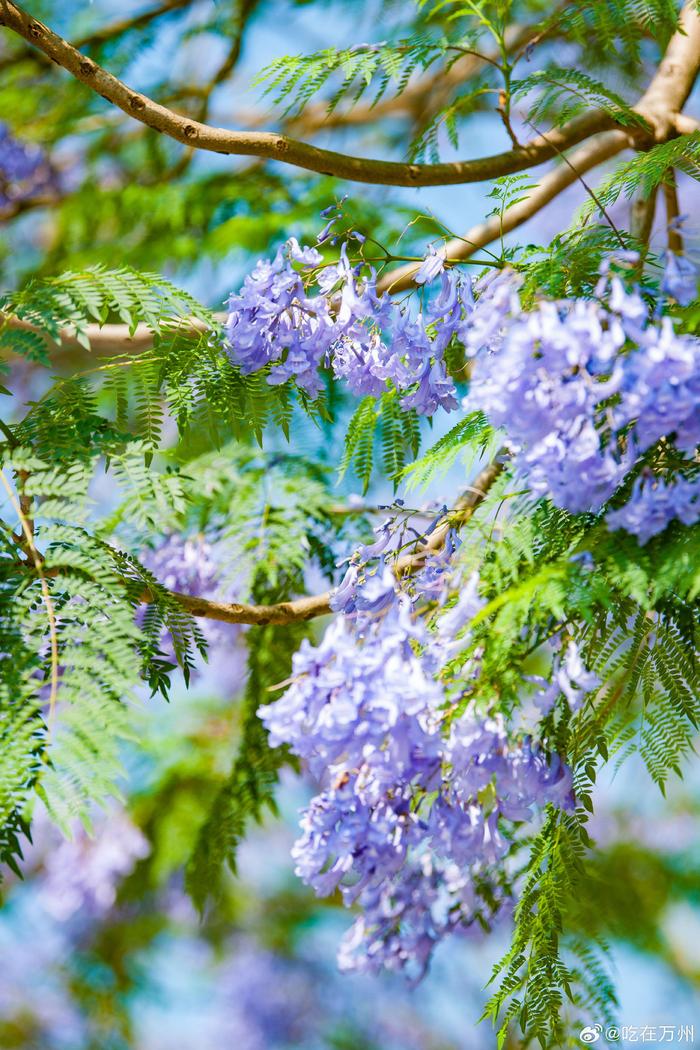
100	946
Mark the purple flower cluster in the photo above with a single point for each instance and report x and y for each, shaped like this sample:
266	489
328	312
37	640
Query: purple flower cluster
583	390
368	340
189	565
569	677
582	387
660	390
184	564
654	504
24	170
273	320
82	874
680	279
411	801
268	1000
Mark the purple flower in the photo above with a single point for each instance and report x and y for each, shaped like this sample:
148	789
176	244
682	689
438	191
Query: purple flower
542	384
574	679
371	342
377	592
326	231
655	503
266	1000
82	874
365	705
680	279
660	386
486	320
435	390
304	255
272	321
570	678
189	564
24	170
183	564
582	389
343	597
432	266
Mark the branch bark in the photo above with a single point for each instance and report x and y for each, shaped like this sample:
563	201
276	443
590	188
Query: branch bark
281	147
673	81
642	212
659	106
106	339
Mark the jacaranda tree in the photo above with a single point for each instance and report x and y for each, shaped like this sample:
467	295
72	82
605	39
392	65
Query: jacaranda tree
476	663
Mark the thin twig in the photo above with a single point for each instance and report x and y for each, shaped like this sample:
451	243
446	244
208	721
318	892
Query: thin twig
503	111
591	193
46	594
11	439
25	500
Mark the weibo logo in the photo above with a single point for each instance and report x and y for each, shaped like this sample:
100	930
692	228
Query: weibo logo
591	1033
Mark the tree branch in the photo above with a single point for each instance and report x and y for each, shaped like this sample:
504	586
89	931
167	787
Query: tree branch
280	147
312	606
104	339
642	212
673	81
661	104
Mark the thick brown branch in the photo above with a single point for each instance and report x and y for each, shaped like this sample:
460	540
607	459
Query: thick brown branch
280	147
669	88
642	212
310	607
104	339
673	81
300	609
